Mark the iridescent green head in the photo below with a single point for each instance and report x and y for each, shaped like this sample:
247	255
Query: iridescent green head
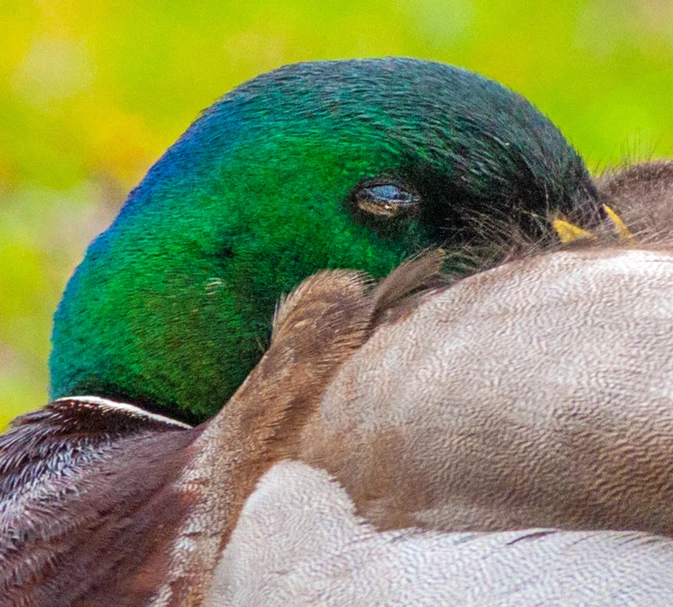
353	164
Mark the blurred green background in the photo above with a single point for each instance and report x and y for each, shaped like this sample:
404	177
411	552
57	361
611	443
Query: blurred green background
91	93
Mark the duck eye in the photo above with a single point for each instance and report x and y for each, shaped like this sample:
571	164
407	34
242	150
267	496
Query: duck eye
386	199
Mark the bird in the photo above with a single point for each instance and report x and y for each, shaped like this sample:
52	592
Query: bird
339	164
104	503
504	440
112	494
537	393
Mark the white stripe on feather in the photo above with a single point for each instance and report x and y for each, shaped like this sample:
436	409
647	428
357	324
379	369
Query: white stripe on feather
132	409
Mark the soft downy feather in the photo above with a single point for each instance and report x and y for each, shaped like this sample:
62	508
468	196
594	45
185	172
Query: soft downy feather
299	542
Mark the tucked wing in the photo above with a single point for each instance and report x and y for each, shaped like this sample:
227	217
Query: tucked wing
83	484
535	394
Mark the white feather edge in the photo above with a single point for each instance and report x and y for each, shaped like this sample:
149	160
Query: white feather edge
125	407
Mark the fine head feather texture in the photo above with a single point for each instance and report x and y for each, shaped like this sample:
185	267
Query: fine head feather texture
276	181
102	503
299	542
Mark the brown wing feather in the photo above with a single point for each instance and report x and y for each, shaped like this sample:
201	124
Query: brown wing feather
82	488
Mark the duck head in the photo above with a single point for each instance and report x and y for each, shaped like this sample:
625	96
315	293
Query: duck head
353	164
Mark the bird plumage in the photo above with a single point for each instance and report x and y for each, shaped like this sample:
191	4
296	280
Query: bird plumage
538	393
420	414
179	508
299	541
102	503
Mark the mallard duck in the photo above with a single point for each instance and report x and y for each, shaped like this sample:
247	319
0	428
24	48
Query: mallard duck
535	394
354	164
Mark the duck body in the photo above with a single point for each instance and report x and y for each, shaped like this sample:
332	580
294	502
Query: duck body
86	503
104	503
354	164
189	521
205	516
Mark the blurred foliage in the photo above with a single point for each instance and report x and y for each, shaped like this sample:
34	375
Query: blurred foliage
92	93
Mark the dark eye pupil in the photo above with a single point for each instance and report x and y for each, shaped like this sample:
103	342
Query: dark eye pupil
389	193
386	200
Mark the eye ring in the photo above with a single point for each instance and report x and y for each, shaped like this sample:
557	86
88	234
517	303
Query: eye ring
386	199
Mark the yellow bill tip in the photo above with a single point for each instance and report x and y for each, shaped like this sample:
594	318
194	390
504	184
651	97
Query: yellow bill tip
619	225
569	232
